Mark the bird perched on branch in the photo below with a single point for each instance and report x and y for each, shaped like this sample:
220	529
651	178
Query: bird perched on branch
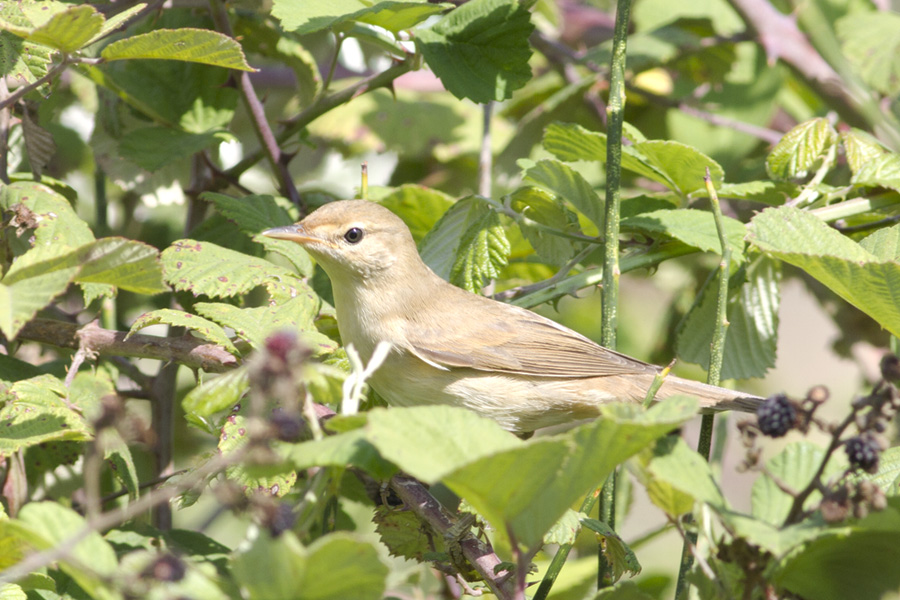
450	346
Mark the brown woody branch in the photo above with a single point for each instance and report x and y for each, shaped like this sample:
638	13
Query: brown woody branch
186	349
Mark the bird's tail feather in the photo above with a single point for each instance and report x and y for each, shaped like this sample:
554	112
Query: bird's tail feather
712	398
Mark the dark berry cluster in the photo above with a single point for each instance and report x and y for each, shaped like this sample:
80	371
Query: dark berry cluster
863	452
776	416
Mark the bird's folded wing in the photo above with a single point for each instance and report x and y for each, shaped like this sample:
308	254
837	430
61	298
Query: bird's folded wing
527	345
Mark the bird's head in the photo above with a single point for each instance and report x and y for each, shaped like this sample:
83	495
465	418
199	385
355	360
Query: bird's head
353	239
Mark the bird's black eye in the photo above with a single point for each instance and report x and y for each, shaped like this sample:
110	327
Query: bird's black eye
354	235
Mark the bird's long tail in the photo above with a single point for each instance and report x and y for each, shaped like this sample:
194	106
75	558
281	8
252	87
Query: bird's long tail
712	398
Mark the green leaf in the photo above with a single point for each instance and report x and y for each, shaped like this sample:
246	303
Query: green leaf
480	50
694	227
869	40
217	393
337	566
151	148
884	244
467	244
259	37
253	214
795	466
687	471
483	251
888	475
402	532
860	565
32	283
519	487
412	438
860	148
679	167
118	455
59	229
20	301
420	207
752	313
233	436
847	268
768	192
315	15
11	591
800	149
35	412
25	62
209	269
541	207
256	324
116	21
620	557
565	183
351	448
46	525
187	44
69	30
683	165
881	171
207	329
571	142
126	264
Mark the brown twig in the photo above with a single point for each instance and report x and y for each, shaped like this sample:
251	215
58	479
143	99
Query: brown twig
186	350
278	158
480	554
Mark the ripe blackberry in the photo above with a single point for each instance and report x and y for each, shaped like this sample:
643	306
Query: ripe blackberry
776	416
863	452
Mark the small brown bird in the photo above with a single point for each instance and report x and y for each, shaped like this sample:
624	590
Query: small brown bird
449	346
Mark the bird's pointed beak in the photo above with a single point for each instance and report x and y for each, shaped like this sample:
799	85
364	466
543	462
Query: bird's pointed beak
295	233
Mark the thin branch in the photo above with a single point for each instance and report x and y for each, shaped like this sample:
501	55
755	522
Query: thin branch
186	350
40	560
296	124
485	158
478	553
524	290
277	158
5	120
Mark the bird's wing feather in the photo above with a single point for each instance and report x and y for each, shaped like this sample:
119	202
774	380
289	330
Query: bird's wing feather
519	342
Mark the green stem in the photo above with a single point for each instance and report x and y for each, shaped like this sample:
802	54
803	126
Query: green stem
615	113
717	350
857	206
559	559
590	278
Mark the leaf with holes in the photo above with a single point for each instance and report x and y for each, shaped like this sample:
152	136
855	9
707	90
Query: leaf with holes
206	328
234	436
217	272
35	412
256	213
